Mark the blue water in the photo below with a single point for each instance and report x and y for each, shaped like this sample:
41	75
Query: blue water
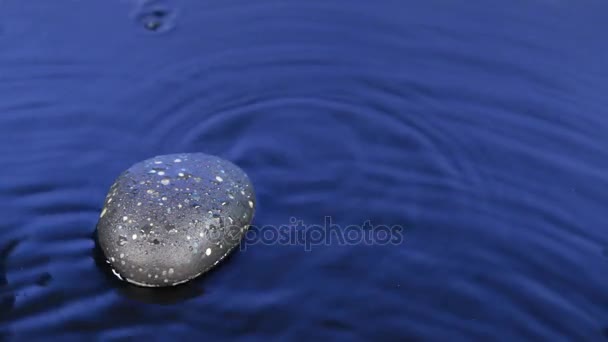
479	127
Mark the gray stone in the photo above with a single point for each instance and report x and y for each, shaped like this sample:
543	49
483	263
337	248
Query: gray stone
168	219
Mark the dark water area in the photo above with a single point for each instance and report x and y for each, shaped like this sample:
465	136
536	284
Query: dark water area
481	128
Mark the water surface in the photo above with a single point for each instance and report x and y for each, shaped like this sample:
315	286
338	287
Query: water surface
481	128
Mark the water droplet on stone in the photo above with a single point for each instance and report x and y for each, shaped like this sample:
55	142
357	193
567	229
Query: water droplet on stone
122	240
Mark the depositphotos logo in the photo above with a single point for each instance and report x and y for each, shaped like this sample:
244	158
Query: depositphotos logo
297	233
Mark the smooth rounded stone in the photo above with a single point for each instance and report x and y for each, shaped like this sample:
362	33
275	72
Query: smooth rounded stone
170	218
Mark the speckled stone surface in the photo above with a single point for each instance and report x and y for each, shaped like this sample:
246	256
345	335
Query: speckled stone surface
168	219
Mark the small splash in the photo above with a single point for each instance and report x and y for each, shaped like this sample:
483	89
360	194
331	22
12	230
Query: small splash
155	18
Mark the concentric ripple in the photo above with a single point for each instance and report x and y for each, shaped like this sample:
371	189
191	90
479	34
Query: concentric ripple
479	130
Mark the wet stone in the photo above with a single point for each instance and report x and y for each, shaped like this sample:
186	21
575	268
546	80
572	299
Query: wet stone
170	218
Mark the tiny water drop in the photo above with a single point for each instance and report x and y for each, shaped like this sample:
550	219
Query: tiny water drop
122	240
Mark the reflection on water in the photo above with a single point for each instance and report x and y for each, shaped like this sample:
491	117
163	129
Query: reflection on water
479	129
